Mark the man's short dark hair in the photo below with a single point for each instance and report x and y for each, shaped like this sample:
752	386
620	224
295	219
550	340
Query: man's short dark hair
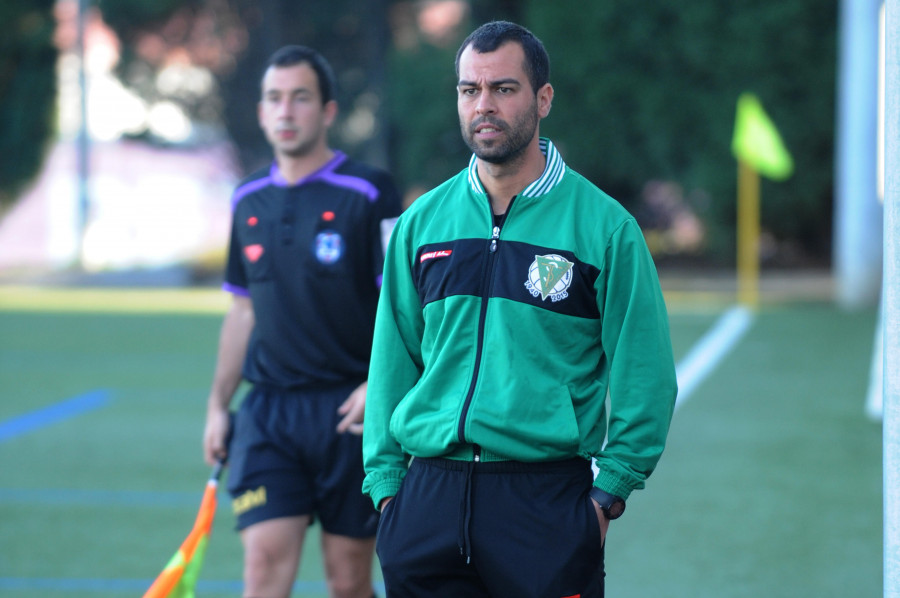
294	55
491	36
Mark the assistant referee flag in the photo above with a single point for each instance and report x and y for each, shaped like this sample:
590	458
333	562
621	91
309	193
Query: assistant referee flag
179	577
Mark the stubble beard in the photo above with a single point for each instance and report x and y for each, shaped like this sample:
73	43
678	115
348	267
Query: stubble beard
304	143
512	147
298	149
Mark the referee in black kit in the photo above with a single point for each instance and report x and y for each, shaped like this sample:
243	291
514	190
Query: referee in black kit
304	270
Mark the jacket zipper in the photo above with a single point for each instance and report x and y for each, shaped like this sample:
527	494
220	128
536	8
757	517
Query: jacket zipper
487	286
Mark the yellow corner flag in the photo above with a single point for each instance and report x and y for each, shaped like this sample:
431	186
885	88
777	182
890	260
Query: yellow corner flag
756	141
179	577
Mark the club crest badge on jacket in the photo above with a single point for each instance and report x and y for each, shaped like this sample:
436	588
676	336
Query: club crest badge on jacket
549	276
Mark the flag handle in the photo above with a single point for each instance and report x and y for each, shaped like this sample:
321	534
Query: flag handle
217	470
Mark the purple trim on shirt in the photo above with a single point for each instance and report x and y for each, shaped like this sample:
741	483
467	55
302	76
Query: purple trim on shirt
236	290
250	187
326	174
279	180
276	177
378	280
339	158
352	182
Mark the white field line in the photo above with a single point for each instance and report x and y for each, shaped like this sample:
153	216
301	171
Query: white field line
703	357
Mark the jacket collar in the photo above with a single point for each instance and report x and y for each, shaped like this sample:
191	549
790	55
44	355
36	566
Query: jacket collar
550	178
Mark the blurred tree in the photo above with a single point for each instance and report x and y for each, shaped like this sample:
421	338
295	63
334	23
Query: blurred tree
27	92
175	51
352	35
232	39
644	93
657	88
426	145
648	93
132	18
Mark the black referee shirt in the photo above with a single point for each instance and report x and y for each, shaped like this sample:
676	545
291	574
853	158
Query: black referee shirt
310	257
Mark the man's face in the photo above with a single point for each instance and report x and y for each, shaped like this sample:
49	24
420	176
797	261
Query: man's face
291	113
498	111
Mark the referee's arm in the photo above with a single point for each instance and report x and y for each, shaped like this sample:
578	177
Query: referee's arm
233	339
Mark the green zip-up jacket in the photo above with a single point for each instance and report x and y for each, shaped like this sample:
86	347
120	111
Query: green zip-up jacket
506	341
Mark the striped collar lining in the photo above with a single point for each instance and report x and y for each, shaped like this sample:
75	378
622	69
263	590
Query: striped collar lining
552	175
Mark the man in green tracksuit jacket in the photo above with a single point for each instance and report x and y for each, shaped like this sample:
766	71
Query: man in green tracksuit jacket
517	297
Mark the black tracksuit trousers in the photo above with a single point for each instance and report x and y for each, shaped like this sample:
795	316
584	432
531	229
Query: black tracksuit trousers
463	529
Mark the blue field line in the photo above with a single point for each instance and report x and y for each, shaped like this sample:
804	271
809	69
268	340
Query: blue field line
704	356
94	585
52	414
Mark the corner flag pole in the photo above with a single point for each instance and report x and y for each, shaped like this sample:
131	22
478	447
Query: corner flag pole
759	150
891	305
748	235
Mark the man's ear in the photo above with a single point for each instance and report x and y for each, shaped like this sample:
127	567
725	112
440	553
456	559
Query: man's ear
545	100
331	110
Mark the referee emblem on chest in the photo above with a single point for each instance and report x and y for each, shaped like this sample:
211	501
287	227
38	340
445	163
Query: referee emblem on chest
549	276
329	246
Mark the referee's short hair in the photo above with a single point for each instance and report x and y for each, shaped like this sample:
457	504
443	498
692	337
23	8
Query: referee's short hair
295	54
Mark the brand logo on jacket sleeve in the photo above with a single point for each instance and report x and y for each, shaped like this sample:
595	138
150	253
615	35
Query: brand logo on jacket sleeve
549	276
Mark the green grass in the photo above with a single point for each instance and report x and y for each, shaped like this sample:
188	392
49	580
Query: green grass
770	484
771	480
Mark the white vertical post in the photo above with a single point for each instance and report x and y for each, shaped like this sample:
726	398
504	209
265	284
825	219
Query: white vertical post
891	455
83	148
857	212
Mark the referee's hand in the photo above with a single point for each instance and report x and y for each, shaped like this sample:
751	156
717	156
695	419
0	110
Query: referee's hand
352	411
215	434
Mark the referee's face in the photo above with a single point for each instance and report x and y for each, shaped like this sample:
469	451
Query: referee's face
291	112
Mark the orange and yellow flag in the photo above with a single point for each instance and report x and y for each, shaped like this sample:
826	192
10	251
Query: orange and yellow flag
179	577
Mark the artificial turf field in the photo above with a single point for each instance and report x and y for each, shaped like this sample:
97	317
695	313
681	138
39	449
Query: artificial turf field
770	484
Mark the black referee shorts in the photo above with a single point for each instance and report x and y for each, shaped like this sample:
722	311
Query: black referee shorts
493	530
286	459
